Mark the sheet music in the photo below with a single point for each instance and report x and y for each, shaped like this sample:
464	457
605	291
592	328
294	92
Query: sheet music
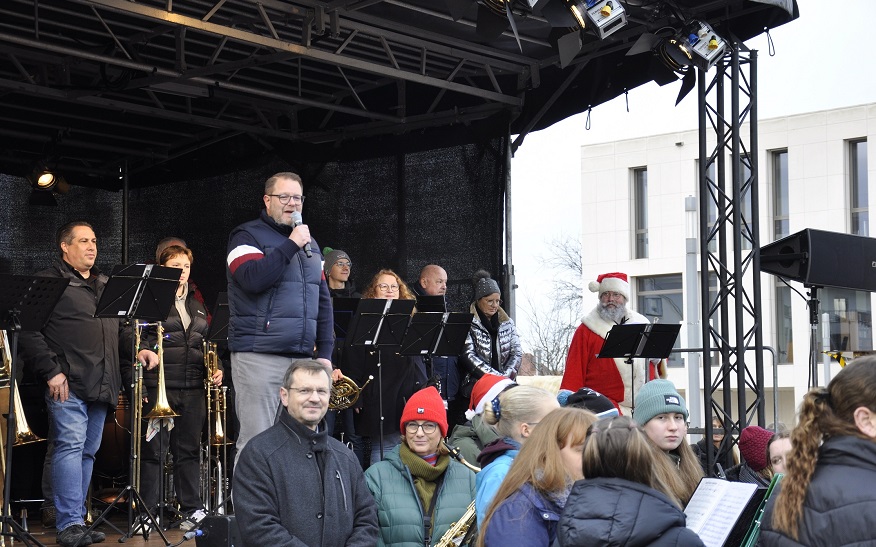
715	508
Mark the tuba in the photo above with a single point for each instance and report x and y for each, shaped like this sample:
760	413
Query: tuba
462	531
345	393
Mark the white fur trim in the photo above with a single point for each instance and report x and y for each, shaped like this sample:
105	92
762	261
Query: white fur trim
593	286
614	284
488	397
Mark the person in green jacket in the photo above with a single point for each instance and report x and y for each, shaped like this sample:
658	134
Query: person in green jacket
419	490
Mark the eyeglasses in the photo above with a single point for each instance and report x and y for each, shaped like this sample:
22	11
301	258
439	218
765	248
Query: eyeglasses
306	391
342	264
609	295
428	427
385	287
285	198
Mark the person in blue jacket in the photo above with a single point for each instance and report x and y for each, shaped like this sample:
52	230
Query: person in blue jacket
279	302
528	505
623	499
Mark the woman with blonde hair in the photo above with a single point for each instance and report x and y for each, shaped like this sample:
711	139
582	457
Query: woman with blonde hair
401	377
528	505
622	500
828	495
513	413
662	414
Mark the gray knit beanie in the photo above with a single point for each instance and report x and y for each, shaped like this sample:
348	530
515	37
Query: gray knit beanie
333	256
484	285
657	397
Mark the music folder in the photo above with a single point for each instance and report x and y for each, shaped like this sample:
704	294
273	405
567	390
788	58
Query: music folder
721	511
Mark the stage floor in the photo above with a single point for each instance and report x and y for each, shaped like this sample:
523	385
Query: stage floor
46	536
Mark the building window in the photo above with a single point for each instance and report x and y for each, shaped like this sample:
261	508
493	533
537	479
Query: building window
660	299
860	213
781	226
851	326
640	202
784	335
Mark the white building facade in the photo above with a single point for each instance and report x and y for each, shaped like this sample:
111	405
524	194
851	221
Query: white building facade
813	172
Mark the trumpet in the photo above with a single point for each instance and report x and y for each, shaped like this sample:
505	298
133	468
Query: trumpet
461	531
345	393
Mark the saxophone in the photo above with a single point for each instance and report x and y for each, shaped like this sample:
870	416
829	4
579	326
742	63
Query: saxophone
462	531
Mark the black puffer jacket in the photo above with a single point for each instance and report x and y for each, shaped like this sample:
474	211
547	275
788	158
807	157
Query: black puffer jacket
840	504
608	512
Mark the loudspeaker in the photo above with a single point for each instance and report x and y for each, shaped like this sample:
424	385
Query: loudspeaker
823	259
219	531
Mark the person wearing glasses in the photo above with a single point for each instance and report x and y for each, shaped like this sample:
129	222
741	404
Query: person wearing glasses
492	345
420	491
613	377
401	376
296	485
279	303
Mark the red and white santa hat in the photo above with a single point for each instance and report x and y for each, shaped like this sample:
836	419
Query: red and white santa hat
487	388
614	282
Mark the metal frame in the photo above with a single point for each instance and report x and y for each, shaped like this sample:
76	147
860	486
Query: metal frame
737	307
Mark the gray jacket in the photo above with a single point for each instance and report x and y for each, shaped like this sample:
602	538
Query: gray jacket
478	347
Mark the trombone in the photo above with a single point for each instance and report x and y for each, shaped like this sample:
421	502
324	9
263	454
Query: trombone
23	433
214	486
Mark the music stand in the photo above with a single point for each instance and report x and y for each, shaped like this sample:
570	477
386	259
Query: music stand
639	340
429	303
137	292
221	315
436	334
379	323
343	310
25	305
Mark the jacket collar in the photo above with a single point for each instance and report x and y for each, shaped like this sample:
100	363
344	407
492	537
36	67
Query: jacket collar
318	439
279	228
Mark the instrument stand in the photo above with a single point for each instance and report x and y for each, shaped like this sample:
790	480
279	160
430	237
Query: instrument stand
144	291
639	340
218	335
25	305
378	323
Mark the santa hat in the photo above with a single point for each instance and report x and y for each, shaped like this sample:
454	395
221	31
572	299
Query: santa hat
614	282
427	405
484	391
753	446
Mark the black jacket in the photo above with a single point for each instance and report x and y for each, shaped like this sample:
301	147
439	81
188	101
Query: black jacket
616	512
73	341
840	504
294	486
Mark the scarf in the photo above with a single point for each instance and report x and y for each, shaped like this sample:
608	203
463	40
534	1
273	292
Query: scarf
425	475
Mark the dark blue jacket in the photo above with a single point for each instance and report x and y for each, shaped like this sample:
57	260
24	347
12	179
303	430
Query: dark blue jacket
840	504
617	512
525	518
278	299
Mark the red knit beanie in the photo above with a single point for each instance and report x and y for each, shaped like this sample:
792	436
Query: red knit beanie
753	444
487	388
427	405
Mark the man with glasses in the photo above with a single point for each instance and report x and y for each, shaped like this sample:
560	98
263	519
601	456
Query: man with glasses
614	378
296	485
278	300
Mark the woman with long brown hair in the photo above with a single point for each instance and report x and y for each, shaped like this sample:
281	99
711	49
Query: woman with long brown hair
623	500
528	505
828	495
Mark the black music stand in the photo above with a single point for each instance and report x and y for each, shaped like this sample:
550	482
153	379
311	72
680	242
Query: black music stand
219	325
25	305
430	303
343	310
137	292
380	323
436	334
639	340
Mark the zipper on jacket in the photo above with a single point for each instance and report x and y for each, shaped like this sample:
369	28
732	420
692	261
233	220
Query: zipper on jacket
270	309
343	490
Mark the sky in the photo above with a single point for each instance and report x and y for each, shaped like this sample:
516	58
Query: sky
810	71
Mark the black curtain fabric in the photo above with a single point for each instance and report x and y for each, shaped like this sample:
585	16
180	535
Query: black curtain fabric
403	211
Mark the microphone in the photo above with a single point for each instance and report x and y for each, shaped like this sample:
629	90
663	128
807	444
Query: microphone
298	221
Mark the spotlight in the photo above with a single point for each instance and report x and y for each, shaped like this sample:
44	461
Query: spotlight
45	180
697	44
607	16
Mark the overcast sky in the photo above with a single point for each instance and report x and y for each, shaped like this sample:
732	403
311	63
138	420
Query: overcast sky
811	70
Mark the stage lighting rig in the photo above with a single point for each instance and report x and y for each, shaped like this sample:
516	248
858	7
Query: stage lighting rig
606	16
697	44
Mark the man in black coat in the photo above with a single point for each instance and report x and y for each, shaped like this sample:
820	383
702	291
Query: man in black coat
296	485
77	355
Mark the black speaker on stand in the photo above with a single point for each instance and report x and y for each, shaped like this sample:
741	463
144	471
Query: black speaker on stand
820	259
218	531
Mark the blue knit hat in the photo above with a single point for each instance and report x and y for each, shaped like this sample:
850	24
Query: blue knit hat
657	397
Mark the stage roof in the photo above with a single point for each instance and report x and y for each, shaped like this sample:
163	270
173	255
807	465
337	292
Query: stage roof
176	90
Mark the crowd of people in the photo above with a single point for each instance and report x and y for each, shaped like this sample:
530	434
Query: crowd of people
444	450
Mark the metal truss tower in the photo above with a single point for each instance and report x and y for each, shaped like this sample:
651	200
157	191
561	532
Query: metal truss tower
729	244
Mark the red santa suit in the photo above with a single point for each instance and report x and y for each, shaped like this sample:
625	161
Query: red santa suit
614	378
